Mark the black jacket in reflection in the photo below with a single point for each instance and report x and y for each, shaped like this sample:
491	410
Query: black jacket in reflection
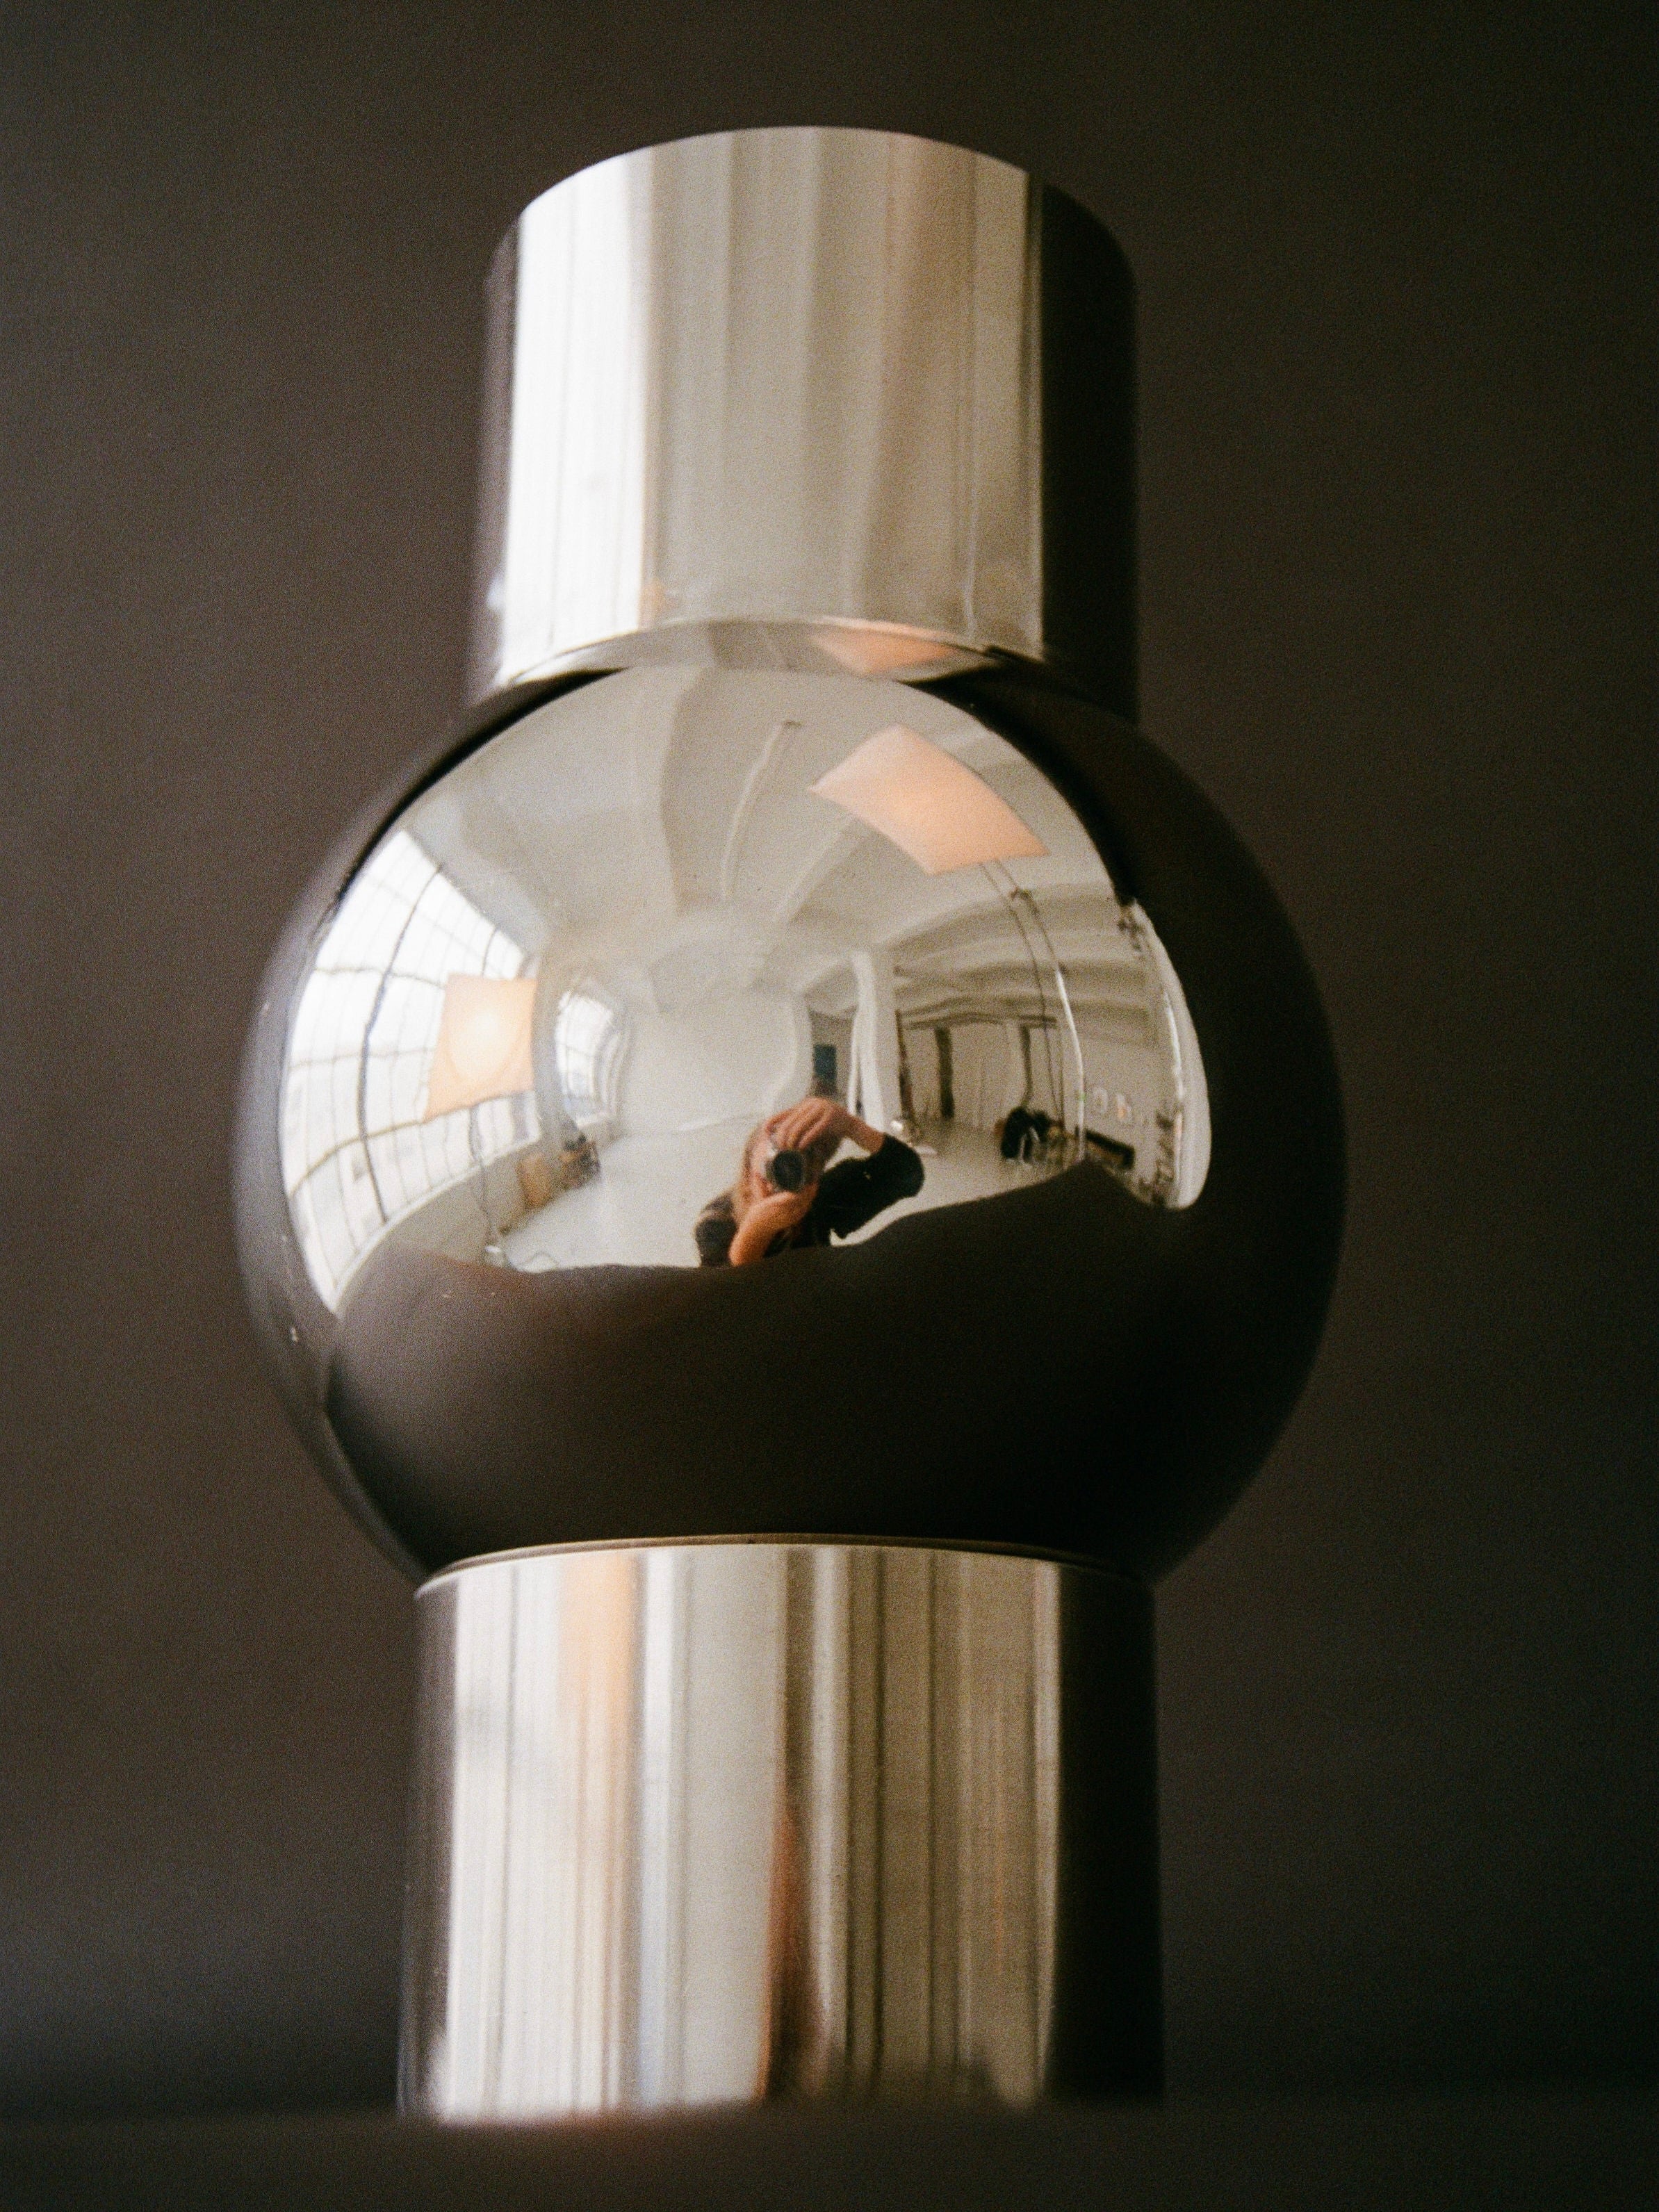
849	1193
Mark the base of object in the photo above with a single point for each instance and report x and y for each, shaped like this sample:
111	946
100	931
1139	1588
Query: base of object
701	1823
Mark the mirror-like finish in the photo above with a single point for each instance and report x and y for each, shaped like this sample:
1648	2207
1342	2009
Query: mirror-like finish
839	845
699	1823
747	1079
794	378
587	963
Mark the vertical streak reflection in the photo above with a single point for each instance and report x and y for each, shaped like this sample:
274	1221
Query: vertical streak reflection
729	1820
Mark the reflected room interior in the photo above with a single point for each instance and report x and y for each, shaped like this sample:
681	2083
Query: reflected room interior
591	958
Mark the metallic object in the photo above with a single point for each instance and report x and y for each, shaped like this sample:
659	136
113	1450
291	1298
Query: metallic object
863	393
804	765
699	1823
646	895
801	807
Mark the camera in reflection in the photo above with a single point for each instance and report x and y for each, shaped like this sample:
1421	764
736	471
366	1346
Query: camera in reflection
795	1168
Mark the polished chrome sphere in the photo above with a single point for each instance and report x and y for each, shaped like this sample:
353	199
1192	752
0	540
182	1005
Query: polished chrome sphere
964	956
796	1062
792	1097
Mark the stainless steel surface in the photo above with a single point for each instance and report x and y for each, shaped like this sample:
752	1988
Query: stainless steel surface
781	398
785	424
808	508
661	889
703	1823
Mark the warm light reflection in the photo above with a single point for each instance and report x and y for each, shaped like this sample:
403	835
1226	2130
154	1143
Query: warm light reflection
484	1042
879	651
928	803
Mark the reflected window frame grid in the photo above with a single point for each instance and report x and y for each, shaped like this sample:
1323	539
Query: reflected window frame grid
362	1155
582	847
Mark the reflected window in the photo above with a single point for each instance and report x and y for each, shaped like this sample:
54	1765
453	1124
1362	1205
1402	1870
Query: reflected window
357	1153
681	899
586	1036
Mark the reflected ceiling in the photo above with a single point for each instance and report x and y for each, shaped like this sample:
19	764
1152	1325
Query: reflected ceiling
589	961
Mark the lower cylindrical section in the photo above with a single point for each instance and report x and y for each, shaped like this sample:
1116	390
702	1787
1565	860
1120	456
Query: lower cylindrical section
704	1822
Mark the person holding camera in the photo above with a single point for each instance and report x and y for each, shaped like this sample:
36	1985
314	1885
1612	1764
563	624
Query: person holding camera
787	1195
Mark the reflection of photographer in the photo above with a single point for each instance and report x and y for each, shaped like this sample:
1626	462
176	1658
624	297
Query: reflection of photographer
786	1194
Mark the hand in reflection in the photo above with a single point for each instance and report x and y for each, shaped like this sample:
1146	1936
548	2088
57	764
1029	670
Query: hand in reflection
768	1218
821	1122
756	1218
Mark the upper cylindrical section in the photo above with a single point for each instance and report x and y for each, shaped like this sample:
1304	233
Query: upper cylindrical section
872	393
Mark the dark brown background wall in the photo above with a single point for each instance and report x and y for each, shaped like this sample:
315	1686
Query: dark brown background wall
1394	264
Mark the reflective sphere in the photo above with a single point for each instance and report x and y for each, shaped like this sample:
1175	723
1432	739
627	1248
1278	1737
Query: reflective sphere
759	1100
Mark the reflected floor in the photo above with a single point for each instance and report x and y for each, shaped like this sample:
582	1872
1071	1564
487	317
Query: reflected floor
640	1209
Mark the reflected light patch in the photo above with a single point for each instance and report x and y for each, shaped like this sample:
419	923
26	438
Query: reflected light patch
484	1042
882	652
932	806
